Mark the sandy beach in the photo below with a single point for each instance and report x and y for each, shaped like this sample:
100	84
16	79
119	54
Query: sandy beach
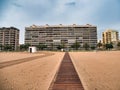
9	56
97	70
32	75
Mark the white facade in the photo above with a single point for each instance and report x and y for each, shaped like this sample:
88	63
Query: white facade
54	35
113	36
32	49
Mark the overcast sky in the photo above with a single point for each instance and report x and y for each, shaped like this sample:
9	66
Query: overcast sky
21	13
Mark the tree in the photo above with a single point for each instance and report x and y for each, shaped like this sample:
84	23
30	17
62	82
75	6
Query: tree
109	46
1	47
118	45
24	46
99	44
93	47
104	46
76	45
63	44
41	46
86	46
59	47
8	47
52	46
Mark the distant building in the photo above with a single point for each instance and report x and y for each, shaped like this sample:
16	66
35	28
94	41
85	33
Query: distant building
9	36
54	35
110	36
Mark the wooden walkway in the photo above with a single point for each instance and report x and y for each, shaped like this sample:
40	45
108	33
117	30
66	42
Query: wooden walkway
66	78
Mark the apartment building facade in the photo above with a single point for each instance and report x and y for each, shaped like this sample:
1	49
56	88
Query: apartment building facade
9	36
110	36
54	35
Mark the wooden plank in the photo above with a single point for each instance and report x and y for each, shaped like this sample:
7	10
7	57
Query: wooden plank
67	77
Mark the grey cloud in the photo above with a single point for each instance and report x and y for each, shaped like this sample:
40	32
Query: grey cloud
71	4
17	5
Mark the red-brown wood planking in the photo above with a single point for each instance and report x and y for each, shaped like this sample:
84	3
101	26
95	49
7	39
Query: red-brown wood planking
66	77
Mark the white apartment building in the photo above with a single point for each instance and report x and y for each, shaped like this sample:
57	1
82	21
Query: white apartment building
54	35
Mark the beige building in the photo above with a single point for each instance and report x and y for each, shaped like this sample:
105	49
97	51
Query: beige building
9	36
110	36
54	35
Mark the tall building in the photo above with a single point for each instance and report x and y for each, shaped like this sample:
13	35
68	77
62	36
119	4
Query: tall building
54	35
9	36
110	36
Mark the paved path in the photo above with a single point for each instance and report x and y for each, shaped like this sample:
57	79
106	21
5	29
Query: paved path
66	78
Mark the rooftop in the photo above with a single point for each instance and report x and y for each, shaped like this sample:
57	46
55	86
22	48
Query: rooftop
9	28
60	25
111	30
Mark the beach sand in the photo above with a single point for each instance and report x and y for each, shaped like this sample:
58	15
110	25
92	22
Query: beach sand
9	56
98	70
32	75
